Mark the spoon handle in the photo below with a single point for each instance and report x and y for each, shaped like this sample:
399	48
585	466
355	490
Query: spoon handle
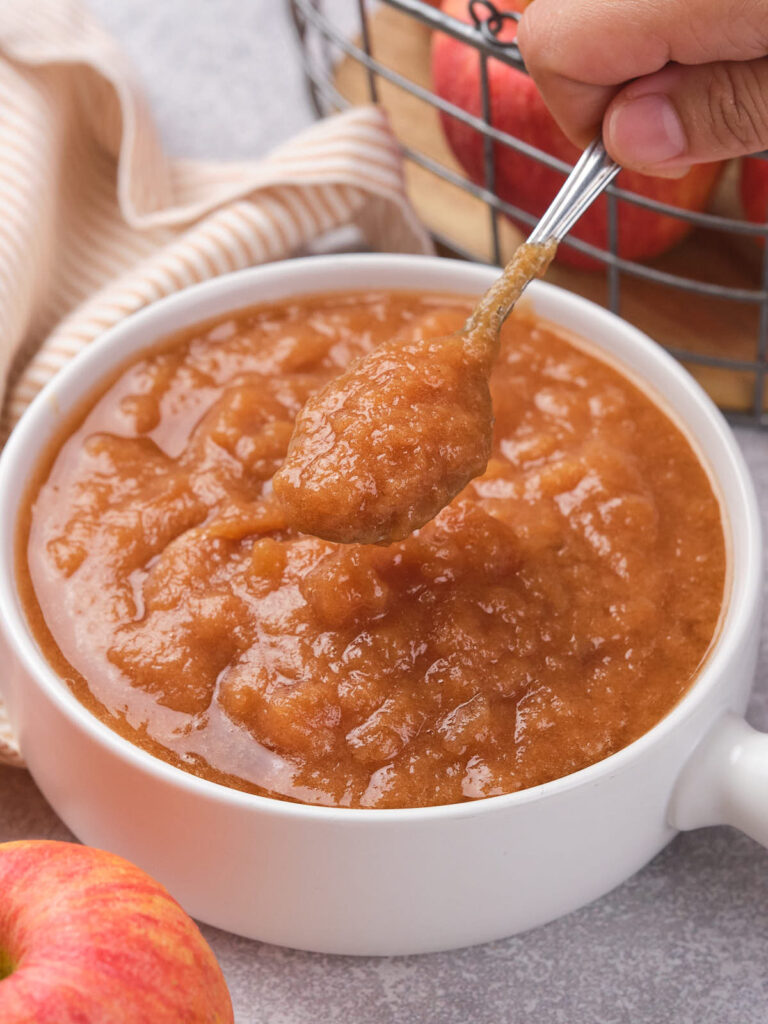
593	172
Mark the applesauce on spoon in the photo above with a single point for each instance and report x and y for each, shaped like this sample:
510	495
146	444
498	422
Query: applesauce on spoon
554	611
381	449
384	446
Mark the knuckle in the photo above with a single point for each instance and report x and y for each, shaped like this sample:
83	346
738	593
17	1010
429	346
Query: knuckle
737	106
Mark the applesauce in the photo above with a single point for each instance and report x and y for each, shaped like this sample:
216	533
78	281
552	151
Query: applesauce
384	446
551	614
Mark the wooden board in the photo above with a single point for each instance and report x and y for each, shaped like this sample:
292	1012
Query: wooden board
679	320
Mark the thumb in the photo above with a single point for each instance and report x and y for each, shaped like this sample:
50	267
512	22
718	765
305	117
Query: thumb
665	122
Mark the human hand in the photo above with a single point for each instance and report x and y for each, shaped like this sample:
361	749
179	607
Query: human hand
672	82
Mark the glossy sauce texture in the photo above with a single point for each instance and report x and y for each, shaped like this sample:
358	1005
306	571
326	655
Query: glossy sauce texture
384	446
552	613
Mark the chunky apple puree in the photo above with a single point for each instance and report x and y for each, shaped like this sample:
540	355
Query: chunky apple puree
552	613
384	446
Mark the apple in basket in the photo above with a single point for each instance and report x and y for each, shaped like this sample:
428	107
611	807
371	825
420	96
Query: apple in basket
87	938
518	109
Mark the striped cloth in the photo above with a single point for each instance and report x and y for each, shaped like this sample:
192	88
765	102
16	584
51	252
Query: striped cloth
96	221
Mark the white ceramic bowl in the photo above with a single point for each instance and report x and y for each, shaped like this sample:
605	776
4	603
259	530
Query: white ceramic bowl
413	880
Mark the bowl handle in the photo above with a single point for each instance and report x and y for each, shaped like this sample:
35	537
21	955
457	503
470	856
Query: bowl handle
725	781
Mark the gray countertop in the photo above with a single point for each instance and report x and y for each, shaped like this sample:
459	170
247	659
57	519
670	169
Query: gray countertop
686	939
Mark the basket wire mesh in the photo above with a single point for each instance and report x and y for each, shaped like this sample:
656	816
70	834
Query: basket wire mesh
323	40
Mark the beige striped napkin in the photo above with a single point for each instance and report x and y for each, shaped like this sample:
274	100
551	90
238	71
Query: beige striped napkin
96	222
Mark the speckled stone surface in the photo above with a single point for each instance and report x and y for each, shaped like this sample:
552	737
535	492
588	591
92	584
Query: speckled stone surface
686	940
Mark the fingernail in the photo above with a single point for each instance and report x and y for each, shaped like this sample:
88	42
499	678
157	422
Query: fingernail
646	131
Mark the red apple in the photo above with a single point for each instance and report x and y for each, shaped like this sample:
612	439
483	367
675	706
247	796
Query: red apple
754	189
87	938
517	108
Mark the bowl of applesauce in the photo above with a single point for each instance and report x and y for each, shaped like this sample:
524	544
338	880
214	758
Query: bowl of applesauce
396	747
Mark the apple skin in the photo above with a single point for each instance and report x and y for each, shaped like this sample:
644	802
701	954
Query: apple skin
754	190
91	939
518	109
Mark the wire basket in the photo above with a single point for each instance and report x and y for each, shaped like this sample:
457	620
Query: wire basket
721	312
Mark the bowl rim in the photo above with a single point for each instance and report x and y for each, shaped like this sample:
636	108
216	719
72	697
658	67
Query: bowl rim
23	448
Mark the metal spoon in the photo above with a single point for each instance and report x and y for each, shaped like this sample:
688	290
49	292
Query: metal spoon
593	172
